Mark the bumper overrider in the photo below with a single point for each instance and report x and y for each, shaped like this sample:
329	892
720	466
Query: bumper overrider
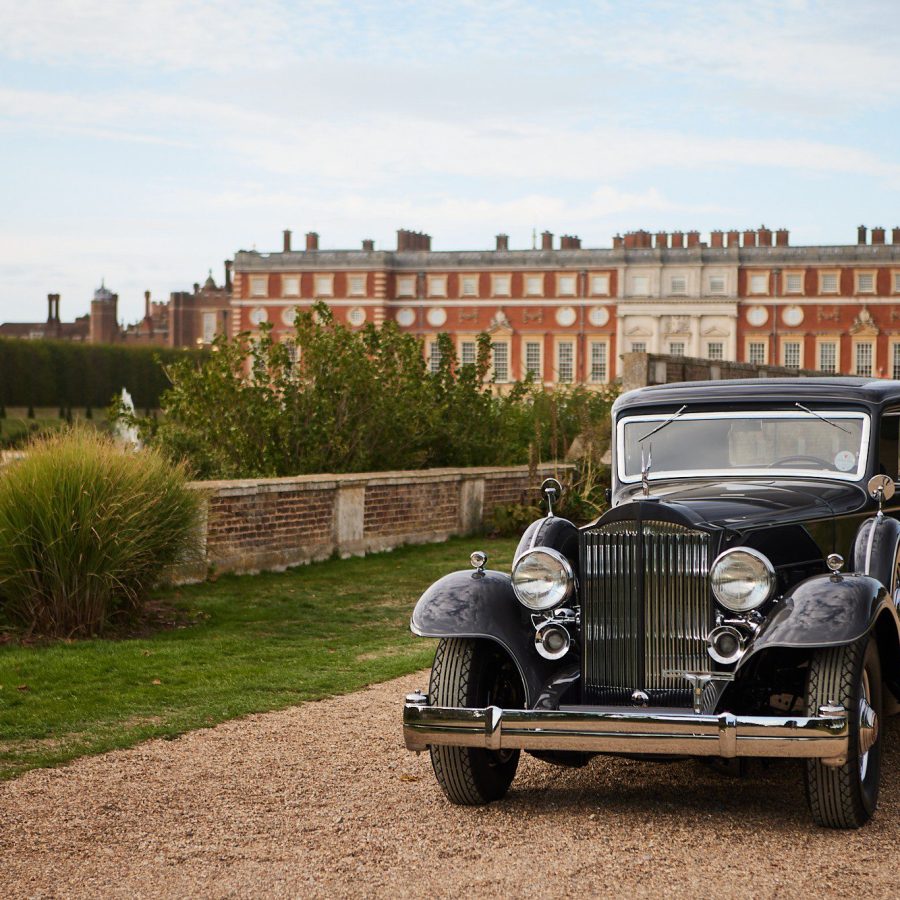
639	731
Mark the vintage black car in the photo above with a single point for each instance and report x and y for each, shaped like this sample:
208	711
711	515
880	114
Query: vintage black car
709	612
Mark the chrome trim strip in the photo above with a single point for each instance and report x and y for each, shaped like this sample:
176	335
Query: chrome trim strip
618	730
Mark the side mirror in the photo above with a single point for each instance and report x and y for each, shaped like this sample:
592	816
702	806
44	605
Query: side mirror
881	488
551	490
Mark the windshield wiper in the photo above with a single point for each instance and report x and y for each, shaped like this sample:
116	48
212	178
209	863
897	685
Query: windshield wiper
826	421
662	425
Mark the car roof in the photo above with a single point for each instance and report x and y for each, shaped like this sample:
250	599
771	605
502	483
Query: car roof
873	391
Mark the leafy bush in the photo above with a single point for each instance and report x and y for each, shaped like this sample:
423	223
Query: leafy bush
86	529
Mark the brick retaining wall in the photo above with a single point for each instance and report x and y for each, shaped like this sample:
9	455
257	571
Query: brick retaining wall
273	523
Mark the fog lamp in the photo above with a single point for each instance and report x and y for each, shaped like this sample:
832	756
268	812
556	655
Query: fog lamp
725	644
551	640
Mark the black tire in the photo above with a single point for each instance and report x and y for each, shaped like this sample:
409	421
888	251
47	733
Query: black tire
474	673
846	796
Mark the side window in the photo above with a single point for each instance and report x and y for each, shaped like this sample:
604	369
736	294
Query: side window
889	444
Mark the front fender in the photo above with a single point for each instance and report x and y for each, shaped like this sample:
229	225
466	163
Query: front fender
824	611
483	605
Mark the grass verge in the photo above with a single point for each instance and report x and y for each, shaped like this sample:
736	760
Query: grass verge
258	643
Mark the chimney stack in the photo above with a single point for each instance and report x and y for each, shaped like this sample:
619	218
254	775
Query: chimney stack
764	236
53	308
147	305
895	235
878	235
662	240
693	239
546	240
677	240
734	238
569	242
716	240
412	240
368	245
287	240
861	234
749	238
312	240
781	237
502	243
618	242
228	265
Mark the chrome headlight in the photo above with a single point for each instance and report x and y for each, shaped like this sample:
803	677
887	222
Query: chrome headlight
542	578
742	579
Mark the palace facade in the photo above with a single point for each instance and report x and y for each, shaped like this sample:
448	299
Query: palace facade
566	313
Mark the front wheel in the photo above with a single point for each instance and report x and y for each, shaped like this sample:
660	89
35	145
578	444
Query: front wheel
846	796
474	673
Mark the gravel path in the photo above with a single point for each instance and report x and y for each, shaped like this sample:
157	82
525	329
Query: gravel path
323	801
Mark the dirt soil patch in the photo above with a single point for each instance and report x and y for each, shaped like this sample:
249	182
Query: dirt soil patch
322	800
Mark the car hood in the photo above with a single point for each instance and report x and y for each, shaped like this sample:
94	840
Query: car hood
750	503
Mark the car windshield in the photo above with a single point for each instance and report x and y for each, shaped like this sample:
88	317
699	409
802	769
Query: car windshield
790	442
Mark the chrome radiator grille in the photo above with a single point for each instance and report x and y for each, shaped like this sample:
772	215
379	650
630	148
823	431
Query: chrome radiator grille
645	610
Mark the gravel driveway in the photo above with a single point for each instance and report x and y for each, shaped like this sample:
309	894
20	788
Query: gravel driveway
322	800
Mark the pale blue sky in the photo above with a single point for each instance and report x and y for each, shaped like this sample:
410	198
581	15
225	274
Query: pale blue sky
145	142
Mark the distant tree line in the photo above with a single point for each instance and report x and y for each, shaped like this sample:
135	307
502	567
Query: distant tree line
63	374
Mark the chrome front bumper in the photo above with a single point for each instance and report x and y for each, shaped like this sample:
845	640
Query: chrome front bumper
634	731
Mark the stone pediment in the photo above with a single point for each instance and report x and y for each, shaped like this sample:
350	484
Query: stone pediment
638	331
716	331
500	324
864	325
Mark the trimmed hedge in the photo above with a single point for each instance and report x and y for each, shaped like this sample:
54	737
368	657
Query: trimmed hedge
45	373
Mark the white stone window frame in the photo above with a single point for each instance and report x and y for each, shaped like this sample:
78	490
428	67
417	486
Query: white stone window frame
566	284
466	281
829	273
676	348
833	342
753	342
538	370
791	347
287	285
792	282
259	285
500	376
434	356
638	347
640	286
406	286
720	352
594	344
534	285
758	283
463	343
894	359
717	291
678	285
352	281
501	285
437	285
558	354
858	347
600	284
858	281
324	284
895	281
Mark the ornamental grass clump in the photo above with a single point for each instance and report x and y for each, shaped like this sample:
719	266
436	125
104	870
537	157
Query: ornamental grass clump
86	529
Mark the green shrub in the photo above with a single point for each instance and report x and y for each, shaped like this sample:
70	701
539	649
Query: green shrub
86	529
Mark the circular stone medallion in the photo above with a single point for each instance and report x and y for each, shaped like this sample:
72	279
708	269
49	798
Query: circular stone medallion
288	314
406	316
356	316
757	315
258	315
566	316
792	315
437	316
598	316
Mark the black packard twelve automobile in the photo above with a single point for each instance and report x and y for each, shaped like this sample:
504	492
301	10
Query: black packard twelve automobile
708	612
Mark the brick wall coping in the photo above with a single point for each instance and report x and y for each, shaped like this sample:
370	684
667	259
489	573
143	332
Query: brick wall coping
327	481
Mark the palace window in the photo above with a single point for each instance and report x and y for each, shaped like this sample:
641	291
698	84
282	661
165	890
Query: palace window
566	286
715	350
290	285
640	285
501	361
437	285
259	286
501	285
865	283
434	357
406	286
533	359
467	353
469	286
793	283
324	285
600	285
534	285
678	284
357	285
756	353
717	284
863	359
759	284
565	362
828	356
599	373
828	283
895	361
791	354
638	346
676	348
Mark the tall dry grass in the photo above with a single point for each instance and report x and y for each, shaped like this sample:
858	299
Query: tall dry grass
86	529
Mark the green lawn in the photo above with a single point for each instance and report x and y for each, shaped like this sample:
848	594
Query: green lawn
259	642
